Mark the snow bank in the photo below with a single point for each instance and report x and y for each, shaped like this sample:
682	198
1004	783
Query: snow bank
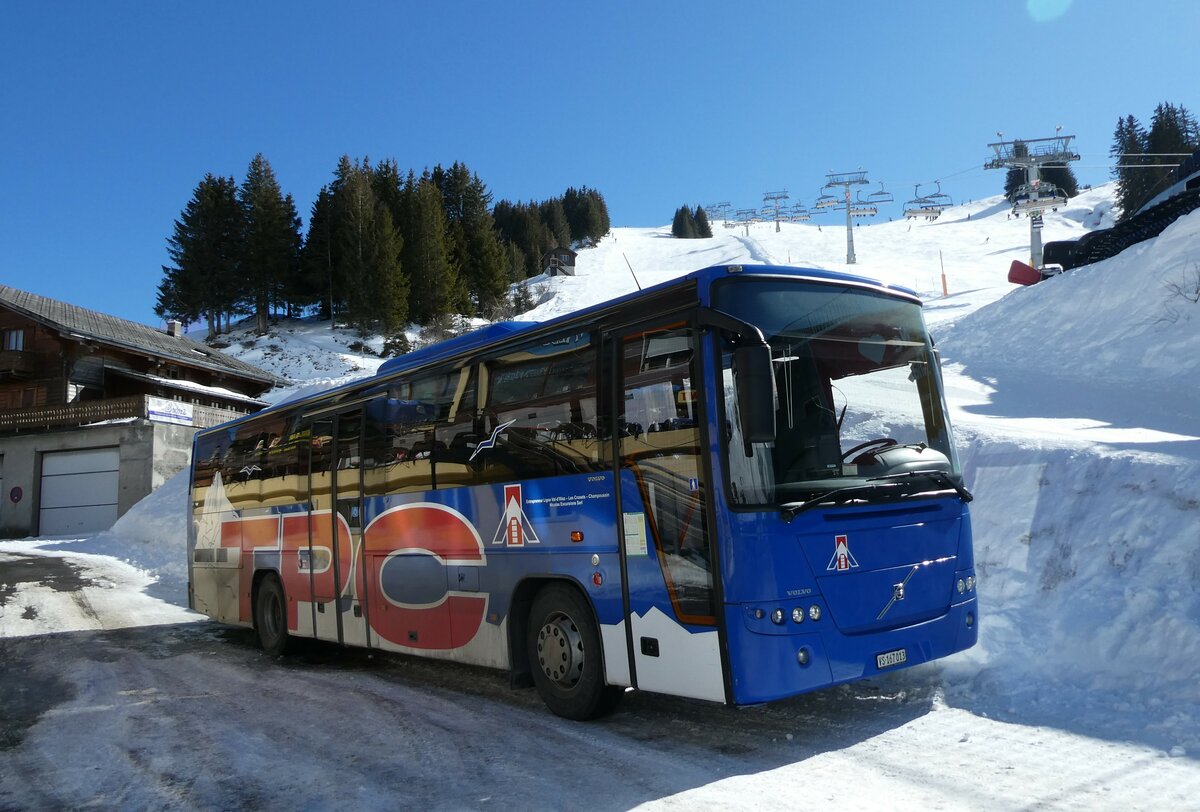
1120	323
151	536
1088	569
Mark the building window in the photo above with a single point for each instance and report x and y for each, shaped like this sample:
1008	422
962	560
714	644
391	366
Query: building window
14	339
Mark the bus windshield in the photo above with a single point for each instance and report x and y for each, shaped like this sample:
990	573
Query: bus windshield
857	392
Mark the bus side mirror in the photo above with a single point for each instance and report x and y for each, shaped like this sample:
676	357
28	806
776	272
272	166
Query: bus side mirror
755	380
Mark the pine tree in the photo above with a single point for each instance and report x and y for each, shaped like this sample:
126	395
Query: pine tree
434	286
703	229
1014	179
205	249
1171	134
683	225
271	246
472	237
1062	176
552	214
376	289
1129	142
316	258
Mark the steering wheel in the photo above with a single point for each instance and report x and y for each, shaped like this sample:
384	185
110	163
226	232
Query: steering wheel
882	442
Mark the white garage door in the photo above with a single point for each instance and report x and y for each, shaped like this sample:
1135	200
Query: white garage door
79	491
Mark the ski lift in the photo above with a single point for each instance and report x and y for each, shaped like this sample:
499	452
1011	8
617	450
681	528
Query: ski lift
1032	198
880	197
863	208
916	207
938	198
825	201
800	213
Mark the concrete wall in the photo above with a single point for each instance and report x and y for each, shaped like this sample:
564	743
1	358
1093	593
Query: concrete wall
150	454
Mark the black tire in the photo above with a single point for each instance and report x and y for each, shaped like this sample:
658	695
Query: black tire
270	617
565	655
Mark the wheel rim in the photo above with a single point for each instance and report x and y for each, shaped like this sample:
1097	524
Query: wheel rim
560	650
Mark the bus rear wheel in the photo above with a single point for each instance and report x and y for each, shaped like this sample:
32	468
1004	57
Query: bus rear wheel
565	655
270	617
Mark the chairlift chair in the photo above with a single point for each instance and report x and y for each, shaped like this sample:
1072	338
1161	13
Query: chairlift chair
881	197
940	198
825	201
862	208
916	207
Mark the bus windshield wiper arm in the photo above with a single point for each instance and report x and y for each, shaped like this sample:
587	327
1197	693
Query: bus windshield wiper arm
833	497
888	482
940	477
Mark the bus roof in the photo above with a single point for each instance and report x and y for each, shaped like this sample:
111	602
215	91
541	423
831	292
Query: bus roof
507	330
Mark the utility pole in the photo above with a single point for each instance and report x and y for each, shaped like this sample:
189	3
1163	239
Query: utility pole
774	200
1035	195
846	180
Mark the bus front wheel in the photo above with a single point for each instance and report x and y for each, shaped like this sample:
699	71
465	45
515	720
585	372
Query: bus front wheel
270	616
565	655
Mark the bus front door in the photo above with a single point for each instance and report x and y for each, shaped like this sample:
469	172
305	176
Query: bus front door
670	599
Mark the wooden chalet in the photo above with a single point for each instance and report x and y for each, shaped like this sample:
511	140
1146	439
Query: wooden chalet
96	411
559	262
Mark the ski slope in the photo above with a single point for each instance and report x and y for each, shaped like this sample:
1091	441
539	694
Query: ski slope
1076	406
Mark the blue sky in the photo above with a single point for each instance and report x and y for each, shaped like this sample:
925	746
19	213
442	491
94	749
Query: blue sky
113	111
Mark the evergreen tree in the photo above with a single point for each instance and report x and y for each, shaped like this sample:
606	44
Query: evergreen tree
1062	176
552	214
271	246
205	249
703	229
1014	179
435	287
1129	142
376	290
684	224
472	237
1172	132
316	258
587	214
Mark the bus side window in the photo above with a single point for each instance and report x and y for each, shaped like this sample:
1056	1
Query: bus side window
540	414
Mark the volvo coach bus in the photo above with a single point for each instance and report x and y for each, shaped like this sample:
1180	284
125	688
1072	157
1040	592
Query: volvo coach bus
736	486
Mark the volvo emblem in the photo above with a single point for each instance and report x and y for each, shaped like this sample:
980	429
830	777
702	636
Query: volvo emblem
898	592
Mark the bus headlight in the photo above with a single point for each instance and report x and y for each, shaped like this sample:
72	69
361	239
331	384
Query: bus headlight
970	583
962	586
798	614
777	617
814	612
802	656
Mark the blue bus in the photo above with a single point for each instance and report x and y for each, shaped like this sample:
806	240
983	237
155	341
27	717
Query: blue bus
736	486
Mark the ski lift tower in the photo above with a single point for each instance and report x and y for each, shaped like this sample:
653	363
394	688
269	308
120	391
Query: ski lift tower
1036	195
723	209
846	180
746	217
774	201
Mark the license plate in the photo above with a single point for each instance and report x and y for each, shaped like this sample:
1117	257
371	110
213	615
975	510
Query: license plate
890	658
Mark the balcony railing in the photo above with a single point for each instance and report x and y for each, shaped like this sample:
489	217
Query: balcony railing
98	411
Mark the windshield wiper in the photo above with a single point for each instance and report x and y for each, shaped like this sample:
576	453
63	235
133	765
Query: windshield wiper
837	496
940	477
891	489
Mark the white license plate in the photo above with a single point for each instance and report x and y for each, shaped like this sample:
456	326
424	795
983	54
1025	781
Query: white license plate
890	658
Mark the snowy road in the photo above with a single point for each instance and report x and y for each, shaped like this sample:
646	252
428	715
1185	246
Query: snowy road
193	715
